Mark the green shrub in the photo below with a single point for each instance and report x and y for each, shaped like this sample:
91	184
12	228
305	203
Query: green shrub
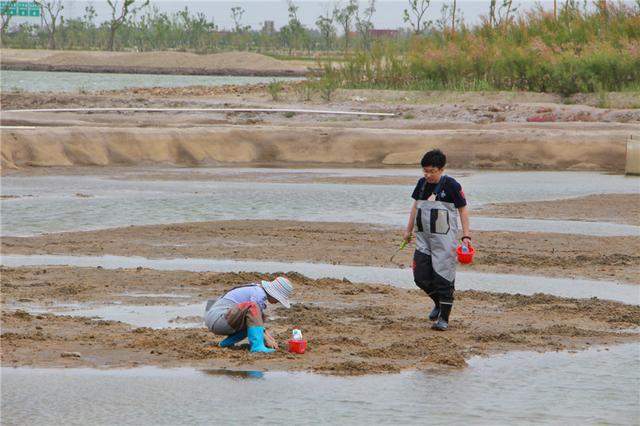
581	51
305	90
274	88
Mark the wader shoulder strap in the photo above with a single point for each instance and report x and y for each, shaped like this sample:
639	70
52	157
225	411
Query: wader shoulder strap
435	191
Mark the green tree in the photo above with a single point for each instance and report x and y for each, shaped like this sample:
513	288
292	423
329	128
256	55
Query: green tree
50	12
119	14
344	16
327	29
5	19
293	34
415	15
364	24
236	14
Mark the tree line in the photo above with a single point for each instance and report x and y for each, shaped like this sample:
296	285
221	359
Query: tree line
139	25
577	46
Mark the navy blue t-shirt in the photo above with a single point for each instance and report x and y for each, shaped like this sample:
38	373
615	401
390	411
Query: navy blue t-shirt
450	191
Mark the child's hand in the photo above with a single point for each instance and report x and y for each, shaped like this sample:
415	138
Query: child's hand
406	237
269	341
466	241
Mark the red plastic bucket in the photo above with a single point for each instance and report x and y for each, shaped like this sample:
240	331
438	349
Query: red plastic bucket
297	346
465	257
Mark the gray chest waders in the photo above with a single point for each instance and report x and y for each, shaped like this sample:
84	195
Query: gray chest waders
435	258
437	235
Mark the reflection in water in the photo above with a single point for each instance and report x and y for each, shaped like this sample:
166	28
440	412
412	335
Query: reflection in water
234	373
591	387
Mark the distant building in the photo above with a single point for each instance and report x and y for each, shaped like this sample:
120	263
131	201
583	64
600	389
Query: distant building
269	27
378	33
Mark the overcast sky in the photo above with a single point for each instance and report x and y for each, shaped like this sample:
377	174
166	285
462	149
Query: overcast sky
388	12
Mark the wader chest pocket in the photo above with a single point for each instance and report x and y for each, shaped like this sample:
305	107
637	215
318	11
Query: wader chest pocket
439	221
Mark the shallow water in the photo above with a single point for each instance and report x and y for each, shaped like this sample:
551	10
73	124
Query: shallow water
50	203
591	387
503	283
43	81
152	316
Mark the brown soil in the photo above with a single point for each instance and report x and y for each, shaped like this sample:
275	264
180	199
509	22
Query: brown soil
611	258
269	145
351	328
618	208
228	63
476	130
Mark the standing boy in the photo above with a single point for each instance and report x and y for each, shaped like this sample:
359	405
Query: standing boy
439	201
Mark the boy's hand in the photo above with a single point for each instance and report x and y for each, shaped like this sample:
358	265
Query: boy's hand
466	240
406	237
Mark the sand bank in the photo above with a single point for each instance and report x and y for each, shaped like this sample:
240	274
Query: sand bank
344	243
516	148
352	328
177	63
617	208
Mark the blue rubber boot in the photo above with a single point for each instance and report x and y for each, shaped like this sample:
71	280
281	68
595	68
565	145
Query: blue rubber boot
233	339
256	339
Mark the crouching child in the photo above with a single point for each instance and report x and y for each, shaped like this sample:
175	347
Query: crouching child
239	313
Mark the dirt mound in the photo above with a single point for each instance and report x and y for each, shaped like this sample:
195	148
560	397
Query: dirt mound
90	146
167	60
241	63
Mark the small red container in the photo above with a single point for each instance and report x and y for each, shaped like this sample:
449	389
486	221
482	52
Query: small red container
465	257
297	346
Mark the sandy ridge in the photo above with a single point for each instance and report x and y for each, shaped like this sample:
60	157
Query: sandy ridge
344	243
83	146
227	63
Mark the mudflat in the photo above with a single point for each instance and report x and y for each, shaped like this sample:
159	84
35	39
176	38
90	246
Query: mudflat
614	208
351	328
344	243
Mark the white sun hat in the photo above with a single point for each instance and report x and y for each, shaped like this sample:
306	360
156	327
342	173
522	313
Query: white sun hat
280	289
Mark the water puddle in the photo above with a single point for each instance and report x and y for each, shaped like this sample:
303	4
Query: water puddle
594	386
60	81
152	316
578	227
234	373
465	280
55	207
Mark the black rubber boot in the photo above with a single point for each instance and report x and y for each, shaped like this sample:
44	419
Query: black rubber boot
435	312
443	320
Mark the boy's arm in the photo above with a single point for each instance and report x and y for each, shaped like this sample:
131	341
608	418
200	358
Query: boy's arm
464	219
412	219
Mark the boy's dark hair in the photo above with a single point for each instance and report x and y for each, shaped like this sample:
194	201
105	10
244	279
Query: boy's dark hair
434	158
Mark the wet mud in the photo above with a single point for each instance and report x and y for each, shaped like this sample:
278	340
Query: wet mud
528	253
352	328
